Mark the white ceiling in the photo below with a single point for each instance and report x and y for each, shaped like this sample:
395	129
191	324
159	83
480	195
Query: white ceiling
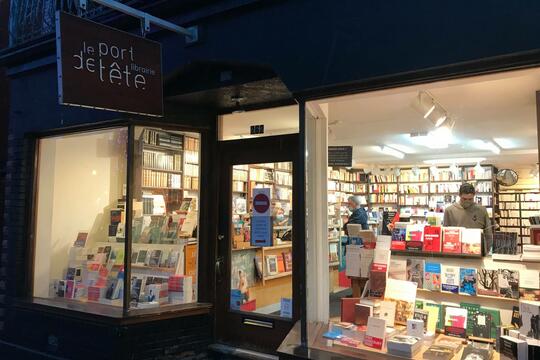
487	107
483	107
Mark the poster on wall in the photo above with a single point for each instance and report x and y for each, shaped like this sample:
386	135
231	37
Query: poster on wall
104	68
261	221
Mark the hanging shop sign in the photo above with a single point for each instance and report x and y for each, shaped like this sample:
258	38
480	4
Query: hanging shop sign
340	156
261	221
101	67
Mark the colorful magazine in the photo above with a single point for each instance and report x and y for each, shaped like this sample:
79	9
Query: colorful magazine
432	276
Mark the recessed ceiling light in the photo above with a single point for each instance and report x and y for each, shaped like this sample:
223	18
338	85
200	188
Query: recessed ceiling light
392	152
455	161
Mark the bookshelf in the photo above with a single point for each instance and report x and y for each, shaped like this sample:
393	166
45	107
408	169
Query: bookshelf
516	206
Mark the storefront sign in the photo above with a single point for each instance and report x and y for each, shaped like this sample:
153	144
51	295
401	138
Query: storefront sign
261	221
101	67
340	156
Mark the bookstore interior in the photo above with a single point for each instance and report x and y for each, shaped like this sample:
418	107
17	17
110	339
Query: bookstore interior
80	226
434	219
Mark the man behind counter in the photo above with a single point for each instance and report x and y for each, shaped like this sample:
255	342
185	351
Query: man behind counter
466	213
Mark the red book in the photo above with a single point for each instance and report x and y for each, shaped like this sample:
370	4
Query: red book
432	238
348	309
280	264
452	240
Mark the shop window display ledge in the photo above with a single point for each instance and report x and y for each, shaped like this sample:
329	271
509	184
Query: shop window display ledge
109	314
435	254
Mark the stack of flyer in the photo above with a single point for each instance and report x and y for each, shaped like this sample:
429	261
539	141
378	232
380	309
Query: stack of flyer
404	345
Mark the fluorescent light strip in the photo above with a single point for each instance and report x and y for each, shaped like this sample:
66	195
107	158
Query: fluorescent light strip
429	111
392	152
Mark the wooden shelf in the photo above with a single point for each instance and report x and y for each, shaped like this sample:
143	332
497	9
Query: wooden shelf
161	188
469	296
160	148
435	254
153	268
277	276
162	170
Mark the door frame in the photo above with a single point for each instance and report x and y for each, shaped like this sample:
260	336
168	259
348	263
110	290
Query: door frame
230	326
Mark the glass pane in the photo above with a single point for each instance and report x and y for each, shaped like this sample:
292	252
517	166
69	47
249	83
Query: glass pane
80	189
165	218
261	268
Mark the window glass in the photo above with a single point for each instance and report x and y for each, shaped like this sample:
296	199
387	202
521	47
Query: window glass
165	218
261	239
81	188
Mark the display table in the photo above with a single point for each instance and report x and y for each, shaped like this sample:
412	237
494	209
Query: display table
320	348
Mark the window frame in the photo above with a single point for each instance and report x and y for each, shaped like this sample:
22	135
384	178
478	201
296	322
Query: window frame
24	294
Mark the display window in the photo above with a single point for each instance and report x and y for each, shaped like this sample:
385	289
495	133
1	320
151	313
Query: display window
433	208
83	249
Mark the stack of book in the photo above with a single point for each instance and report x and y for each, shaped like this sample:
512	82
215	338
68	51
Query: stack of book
531	253
404	345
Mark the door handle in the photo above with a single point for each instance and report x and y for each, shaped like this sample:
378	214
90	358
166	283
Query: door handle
219	268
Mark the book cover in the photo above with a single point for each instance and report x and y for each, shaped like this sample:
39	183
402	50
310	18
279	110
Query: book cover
348	310
271	265
488	281
375	333
415	328
398	269
471	241
387	311
495	319
455	322
432	239
481	325
438	352
287	257
530	318
467	281
432	276
81	239
508	283
471	310
529	285
155	258
450	279
377	280
516	317
473	351
399	236
433	319
422	315
415	271
414	237
362	313
440	319
403	293
280	264
504	243
451	239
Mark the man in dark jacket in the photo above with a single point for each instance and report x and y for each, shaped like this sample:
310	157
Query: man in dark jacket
358	214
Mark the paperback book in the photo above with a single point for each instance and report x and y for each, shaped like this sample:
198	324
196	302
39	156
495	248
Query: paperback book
415	271
450	279
467	281
481	326
432	276
455	322
529	285
414	237
398	269
471	241
488	281
471	310
432	238
452	239
508	283
495	319
399	236
403	293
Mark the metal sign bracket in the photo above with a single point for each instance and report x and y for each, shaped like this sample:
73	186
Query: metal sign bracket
191	34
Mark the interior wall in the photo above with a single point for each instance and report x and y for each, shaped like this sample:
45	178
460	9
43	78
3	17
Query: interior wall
81	177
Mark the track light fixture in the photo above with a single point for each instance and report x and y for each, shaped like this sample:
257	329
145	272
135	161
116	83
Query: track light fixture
432	109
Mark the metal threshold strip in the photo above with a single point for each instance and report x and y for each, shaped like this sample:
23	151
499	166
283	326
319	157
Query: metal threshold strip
241	353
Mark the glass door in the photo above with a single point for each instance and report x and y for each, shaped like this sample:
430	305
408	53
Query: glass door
256	257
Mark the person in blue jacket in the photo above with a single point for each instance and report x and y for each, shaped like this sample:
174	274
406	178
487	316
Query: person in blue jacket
358	214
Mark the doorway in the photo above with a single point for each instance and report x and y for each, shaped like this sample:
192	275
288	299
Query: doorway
257	282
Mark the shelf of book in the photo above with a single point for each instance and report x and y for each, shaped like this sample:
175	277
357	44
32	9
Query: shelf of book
162	170
277	276
428	254
469	296
161	188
